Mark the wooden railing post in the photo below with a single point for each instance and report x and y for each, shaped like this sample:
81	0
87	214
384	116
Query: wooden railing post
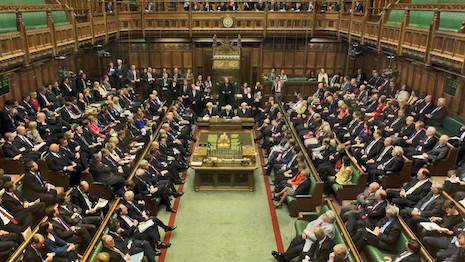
53	38
22	29
118	26
72	16
382	20
432	30
90	18
105	23
339	17
349	32
314	19
190	21
142	21
363	29
266	20
403	25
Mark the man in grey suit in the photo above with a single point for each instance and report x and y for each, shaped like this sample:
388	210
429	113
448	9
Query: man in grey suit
133	77
303	242
438	152
367	198
428	206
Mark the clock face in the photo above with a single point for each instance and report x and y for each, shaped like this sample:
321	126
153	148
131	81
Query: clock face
228	22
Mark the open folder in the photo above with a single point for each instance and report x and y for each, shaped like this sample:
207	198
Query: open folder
137	257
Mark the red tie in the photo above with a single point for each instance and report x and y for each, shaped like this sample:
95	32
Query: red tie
9	217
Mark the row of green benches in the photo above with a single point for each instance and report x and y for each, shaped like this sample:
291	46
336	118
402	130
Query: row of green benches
448	21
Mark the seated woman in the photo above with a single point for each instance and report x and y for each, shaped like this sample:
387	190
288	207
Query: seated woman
64	251
344	176
375	114
301	189
33	134
451	218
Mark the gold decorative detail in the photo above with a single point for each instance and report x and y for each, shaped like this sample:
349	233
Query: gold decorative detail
228	22
226	64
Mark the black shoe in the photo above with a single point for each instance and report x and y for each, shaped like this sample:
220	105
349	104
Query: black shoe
180	182
178	194
171	210
157	253
162	245
264	165
278	207
277	255
170	228
195	140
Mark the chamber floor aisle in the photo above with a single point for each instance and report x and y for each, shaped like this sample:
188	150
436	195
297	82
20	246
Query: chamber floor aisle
225	226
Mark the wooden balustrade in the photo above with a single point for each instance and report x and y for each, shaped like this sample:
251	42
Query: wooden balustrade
89	23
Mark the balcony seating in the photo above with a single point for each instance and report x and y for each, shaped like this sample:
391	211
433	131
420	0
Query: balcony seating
449	21
32	20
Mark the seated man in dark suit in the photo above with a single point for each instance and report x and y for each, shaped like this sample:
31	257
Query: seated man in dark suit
103	173
371	216
417	188
14	223
35	253
425	144
437	115
14	202
411	254
429	206
394	165
72	215
69	233
122	239
12	151
243	111
131	225
83	199
117	254
438	152
25	145
34	187
69	116
384	236
320	249
8	244
59	162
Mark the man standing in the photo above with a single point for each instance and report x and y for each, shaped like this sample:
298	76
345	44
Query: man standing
133	77
278	88
120	74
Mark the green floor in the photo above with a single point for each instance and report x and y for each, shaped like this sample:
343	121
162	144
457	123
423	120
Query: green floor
225	226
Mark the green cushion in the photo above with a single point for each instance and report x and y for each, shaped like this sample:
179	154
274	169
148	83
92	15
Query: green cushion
451	21
8	23
296	78
35	20
395	17
451	124
378	255
20	188
59	18
355	176
422	19
300	225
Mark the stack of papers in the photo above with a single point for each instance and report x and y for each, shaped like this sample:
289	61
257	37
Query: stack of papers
431	226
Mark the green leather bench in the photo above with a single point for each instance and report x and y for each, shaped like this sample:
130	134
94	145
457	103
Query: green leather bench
300	225
376	255
349	191
8	23
450	126
99	246
301	202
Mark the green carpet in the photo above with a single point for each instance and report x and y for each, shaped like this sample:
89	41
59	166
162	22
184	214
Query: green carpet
225	226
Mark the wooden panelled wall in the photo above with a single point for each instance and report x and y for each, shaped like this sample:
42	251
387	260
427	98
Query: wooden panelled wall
418	77
294	56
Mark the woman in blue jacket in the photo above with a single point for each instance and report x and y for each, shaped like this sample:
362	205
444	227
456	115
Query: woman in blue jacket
64	251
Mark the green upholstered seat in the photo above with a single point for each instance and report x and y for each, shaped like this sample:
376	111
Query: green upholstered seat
8	23
449	126
377	255
99	246
20	188
451	21
59	18
35	20
355	176
421	19
289	199
395	17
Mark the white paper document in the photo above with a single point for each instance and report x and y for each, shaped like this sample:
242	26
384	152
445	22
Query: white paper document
101	205
137	257
142	227
431	226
